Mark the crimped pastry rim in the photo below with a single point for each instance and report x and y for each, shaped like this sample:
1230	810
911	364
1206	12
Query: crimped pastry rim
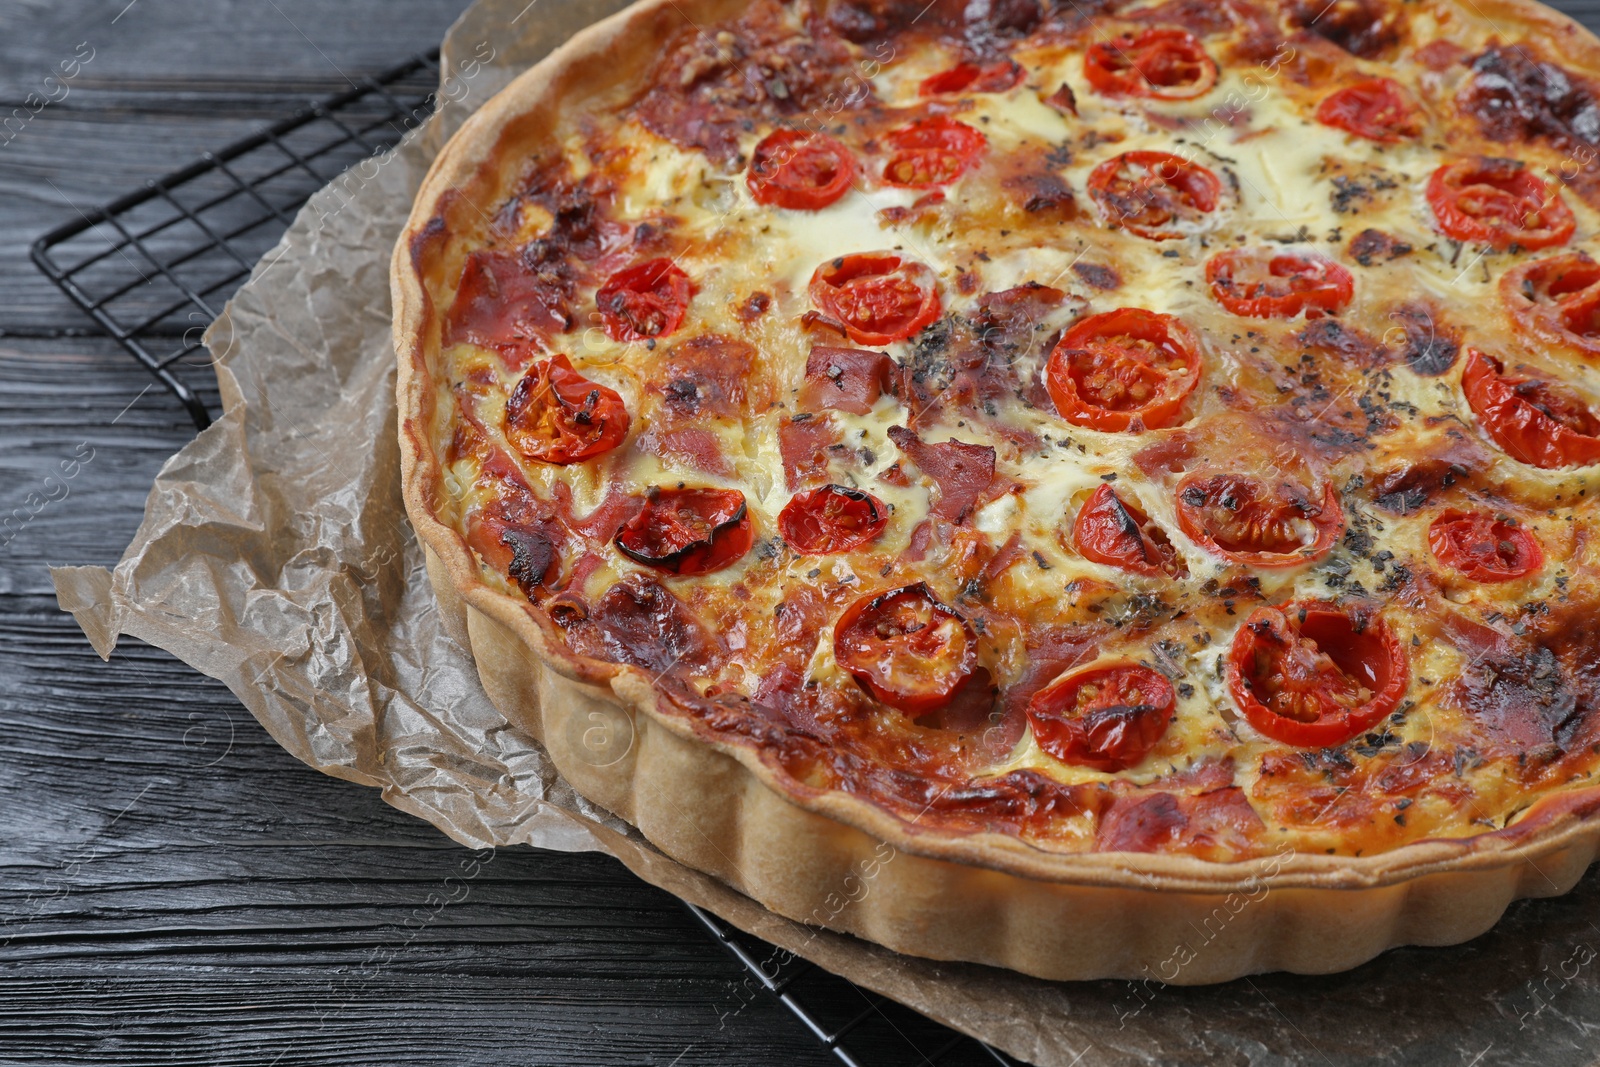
1555	821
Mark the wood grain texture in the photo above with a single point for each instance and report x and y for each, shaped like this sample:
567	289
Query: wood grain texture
174	888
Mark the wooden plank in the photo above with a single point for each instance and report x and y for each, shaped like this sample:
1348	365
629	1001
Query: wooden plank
173	886
76	461
176	887
153	90
233	47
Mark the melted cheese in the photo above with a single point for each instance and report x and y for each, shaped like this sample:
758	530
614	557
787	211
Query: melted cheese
1291	182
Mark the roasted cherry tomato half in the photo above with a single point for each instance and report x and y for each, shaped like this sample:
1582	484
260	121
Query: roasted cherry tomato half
800	171
1155	195
906	648
1500	203
1261	523
1124	369
1484	548
819	522
1314	674
688	531
878	297
1161	63
1110	531
932	151
1106	717
1265	283
645	300
1377	109
1556	299
1543	424
556	415
994	77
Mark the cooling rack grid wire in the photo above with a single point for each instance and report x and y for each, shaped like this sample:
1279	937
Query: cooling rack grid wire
153	268
859	1028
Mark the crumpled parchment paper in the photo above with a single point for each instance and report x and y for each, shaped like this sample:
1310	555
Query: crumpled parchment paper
275	555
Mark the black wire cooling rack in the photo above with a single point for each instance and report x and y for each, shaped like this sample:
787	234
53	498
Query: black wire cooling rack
859	1028
153	269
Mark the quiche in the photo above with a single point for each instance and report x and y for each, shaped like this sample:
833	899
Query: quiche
1031	483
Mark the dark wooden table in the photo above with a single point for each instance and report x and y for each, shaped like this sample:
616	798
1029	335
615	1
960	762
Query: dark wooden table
175	888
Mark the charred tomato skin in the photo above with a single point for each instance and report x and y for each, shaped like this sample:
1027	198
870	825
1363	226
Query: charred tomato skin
1267	511
831	519
644	301
1483	547
1106	716
1128	369
907	648
1111	531
556	415
1154	194
1314	674
688	531
1530	420
877	297
800	171
1160	63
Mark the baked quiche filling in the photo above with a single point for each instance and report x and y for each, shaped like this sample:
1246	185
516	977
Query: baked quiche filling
1122	427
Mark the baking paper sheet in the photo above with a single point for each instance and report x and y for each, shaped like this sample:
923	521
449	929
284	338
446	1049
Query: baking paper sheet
275	555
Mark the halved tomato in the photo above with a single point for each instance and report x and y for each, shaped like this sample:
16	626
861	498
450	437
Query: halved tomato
1118	534
688	531
556	415
1155	195
1543	424
645	300
1377	109
1557	299
878	297
1266	283
1123	369
1106	717
931	151
1164	63
800	171
906	648
996	76
1259	522
1315	674
1500	203
831	519
1484	547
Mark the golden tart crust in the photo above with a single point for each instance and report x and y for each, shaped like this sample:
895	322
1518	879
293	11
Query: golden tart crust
719	793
